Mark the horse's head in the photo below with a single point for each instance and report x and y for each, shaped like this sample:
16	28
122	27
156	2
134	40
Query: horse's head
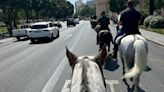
87	72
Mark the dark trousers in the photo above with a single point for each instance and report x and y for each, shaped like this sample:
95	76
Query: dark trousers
119	33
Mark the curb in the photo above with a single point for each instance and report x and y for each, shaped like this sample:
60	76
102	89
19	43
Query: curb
155	42
6	40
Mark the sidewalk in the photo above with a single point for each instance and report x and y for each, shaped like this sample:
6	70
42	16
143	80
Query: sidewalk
153	37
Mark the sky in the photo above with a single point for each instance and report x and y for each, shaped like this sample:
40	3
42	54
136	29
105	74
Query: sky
73	1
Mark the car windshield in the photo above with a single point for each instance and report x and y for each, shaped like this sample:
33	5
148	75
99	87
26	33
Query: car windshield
39	26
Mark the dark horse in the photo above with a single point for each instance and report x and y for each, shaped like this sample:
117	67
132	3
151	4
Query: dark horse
87	74
104	37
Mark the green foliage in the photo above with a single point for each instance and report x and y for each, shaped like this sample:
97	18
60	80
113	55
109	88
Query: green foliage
87	11
20	9
117	5
147	20
159	4
157	22
3	29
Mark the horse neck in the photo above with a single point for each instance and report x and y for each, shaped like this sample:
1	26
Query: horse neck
87	77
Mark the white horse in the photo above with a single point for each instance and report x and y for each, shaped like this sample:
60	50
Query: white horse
133	52
87	75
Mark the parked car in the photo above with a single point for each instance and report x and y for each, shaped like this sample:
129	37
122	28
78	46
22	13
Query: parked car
70	21
42	30
57	24
22	32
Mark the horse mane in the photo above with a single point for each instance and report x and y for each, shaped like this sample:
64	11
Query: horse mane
86	82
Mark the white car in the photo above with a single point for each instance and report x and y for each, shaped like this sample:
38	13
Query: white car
41	30
22	32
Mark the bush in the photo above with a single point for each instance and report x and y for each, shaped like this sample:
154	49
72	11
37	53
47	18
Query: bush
157	22
147	20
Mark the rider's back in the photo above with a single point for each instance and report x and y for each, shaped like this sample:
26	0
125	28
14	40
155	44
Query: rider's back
104	22
130	19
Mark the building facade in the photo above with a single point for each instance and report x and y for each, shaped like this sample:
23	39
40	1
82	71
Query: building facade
101	5
78	5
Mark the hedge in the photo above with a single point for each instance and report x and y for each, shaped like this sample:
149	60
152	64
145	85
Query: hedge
157	22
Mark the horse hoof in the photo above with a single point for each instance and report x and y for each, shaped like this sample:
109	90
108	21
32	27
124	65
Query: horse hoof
123	79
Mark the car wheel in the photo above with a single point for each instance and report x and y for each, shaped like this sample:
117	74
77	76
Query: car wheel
57	35
32	40
18	38
52	37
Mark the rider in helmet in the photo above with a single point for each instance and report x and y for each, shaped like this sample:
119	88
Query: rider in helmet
129	19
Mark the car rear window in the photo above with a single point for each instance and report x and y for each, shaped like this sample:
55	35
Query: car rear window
39	26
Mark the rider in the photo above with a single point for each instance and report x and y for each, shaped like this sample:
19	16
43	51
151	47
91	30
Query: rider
103	21
129	19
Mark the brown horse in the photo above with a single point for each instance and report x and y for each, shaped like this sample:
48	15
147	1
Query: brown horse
87	74
104	37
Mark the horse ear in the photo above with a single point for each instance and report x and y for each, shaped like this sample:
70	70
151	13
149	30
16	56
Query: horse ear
102	56
71	57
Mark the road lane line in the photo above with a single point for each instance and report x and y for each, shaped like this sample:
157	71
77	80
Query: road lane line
57	73
65	87
111	84
70	35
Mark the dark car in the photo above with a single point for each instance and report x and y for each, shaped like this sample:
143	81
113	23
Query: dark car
70	21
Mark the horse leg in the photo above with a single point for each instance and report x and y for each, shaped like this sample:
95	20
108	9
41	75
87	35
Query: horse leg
108	46
123	69
123	66
136	83
101	46
97	38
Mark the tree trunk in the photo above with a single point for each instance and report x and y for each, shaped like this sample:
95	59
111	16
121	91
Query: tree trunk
9	27
27	16
151	7
37	16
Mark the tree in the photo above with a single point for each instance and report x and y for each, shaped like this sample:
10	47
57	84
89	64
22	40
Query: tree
86	11
117	5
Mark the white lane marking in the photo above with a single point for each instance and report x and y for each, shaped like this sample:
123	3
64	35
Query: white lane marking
70	35
65	87
108	82
111	84
52	81
56	75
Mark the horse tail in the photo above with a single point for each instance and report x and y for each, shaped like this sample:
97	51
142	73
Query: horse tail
140	59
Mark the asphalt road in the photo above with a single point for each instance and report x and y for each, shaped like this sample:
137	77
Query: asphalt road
43	67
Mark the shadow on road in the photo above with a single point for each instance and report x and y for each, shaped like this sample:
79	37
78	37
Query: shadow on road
131	89
111	64
147	69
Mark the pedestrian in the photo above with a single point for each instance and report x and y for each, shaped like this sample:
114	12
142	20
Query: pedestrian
129	19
